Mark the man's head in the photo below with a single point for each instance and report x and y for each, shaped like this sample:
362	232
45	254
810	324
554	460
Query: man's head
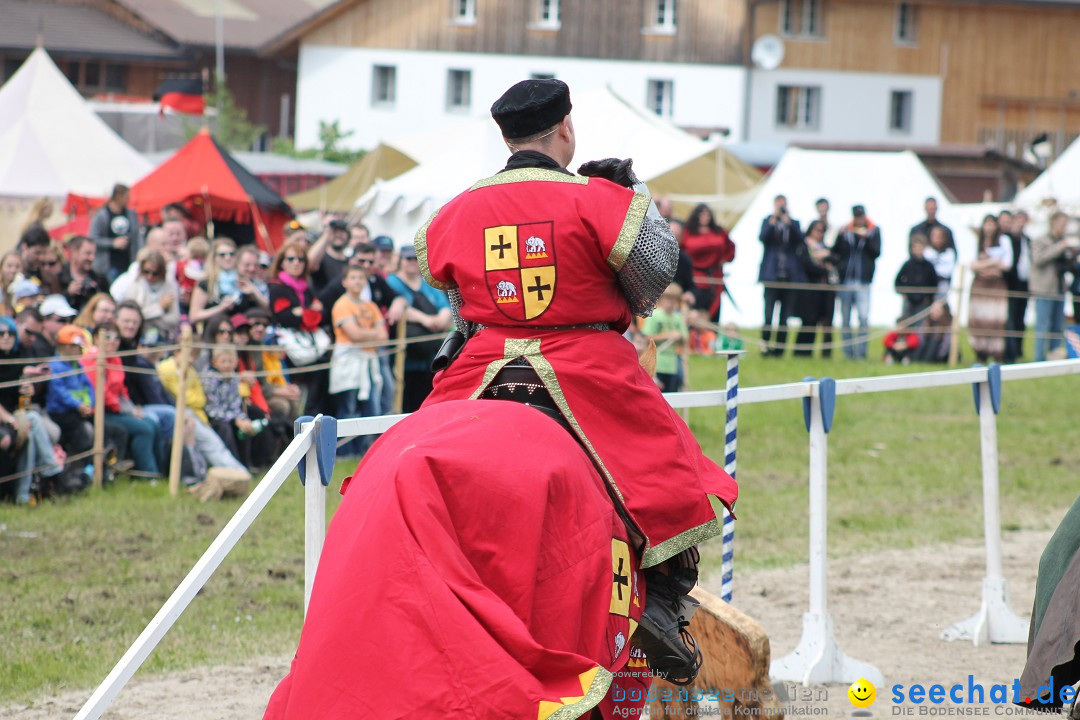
364	256
155	239
83	252
931	208
535	115
359	233
780	204
1005	221
384	253
29	321
338	232
822	206
119	197
32	245
295	231
858	216
175	237
1058	222
1020	219
129	319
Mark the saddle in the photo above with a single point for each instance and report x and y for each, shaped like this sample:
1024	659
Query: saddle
520	383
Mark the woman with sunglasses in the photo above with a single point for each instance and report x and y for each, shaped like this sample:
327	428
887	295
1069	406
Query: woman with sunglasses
296	309
157	295
145	444
52	265
227	288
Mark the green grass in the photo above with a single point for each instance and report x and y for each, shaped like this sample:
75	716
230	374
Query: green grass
81	577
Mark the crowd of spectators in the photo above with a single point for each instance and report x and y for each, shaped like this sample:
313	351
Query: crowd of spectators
263	352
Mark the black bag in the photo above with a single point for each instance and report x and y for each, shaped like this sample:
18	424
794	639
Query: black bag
423	350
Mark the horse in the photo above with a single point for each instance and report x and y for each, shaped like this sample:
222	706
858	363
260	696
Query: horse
476	567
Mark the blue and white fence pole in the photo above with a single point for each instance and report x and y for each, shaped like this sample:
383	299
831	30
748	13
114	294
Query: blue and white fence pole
731	427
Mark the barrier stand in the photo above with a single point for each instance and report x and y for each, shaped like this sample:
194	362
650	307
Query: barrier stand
731	426
995	622
315	468
817	658
99	413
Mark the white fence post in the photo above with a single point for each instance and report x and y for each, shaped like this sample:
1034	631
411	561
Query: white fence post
995	622
817	658
315	470
198	575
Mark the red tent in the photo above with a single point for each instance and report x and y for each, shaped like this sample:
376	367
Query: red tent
208	180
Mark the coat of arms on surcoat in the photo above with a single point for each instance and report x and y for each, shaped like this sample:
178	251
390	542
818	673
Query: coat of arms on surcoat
519	261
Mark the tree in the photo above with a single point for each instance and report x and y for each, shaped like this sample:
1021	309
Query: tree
232	127
330	137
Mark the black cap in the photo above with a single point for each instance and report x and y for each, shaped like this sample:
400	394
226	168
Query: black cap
531	106
858	210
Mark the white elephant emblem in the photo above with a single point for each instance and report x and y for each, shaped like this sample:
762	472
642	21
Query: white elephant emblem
535	245
505	288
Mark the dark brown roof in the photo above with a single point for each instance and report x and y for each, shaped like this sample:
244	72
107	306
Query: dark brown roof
248	24
69	29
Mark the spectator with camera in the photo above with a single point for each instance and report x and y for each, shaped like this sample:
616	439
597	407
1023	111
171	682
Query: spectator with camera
781	265
79	280
856	250
329	255
1051	256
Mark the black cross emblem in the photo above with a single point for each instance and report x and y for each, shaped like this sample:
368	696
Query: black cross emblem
619	578
538	288
502	246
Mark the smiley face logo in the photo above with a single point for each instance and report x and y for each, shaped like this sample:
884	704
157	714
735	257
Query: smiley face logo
862	693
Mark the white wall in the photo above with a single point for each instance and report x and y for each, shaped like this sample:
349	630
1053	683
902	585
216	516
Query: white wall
334	83
854	107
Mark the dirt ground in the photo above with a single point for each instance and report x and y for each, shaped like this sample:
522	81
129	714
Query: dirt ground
888	609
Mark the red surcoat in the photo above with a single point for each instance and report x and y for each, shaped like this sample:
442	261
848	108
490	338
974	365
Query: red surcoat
534	252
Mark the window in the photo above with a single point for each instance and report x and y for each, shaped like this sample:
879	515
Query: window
463	12
900	111
660	97
383	85
802	18
797	107
548	13
459	90
92	77
660	19
905	24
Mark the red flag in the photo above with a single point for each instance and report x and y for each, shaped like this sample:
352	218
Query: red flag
183	95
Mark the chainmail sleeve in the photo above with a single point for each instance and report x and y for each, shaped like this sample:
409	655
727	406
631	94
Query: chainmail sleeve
650	265
453	295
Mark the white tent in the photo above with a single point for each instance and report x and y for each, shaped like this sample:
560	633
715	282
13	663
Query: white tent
1058	183
892	186
451	160
52	143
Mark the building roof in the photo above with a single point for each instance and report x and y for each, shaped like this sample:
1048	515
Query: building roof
69	29
248	24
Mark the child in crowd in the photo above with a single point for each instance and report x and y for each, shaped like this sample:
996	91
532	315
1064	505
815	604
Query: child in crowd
190	268
355	379
917	273
667	328
901	343
70	397
228	411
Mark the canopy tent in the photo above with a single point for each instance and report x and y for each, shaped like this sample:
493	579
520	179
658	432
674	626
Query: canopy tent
205	177
452	159
1058	184
52	144
341	193
892	186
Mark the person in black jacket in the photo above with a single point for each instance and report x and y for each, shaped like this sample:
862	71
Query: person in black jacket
856	250
781	265
817	305
916	280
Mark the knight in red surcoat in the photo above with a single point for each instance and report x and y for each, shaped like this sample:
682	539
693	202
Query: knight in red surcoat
545	270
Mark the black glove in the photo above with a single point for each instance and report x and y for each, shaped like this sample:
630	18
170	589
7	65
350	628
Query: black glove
620	172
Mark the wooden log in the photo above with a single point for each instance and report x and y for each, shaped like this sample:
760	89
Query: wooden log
736	664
